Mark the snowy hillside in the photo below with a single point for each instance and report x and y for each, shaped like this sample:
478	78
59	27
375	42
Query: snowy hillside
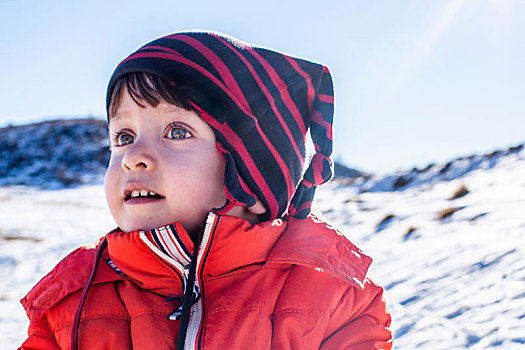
448	241
54	154
448	248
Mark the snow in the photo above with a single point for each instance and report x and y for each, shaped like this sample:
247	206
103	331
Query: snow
451	283
38	228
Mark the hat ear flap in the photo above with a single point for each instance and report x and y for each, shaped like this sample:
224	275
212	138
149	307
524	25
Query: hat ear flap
233	183
321	165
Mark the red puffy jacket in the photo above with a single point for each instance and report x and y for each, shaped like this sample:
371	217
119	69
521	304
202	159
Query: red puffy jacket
296	284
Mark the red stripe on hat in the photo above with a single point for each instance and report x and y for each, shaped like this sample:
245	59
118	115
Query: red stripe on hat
245	187
316	171
326	98
162	48
311	92
317	117
218	64
307	183
317	165
245	155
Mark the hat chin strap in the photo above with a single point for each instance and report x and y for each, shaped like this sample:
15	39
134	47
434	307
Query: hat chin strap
225	208
250	214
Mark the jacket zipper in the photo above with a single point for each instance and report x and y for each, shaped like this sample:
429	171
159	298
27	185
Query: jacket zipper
196	310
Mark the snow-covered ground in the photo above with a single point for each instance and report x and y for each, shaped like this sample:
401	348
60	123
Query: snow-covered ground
37	229
451	283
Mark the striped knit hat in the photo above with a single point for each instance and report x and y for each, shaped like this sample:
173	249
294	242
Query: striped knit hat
260	104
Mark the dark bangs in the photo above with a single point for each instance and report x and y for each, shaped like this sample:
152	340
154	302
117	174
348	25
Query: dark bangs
147	88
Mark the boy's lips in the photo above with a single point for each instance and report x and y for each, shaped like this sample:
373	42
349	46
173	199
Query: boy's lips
139	193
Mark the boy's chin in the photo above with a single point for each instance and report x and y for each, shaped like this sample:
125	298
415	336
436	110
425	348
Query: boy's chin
143	226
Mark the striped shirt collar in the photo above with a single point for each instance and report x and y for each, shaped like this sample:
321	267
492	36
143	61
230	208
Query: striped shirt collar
171	243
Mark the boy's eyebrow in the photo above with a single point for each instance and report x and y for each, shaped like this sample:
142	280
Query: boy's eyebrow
178	111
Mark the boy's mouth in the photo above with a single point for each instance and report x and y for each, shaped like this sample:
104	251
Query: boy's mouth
142	194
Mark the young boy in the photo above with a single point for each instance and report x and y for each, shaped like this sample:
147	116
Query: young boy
211	188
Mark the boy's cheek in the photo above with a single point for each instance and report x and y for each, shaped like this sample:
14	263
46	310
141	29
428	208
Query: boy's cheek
111	183
114	160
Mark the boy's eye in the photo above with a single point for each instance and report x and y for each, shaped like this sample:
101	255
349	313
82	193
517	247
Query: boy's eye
122	139
178	133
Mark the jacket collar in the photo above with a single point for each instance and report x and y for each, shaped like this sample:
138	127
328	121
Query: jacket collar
161	254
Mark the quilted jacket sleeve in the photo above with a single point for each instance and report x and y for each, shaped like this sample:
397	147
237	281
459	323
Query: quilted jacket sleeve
360	321
40	337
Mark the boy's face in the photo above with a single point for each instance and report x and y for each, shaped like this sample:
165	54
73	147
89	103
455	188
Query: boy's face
164	167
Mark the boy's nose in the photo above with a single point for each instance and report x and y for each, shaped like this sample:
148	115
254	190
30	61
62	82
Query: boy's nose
137	157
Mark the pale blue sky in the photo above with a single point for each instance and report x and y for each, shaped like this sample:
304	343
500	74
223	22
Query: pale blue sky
416	81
